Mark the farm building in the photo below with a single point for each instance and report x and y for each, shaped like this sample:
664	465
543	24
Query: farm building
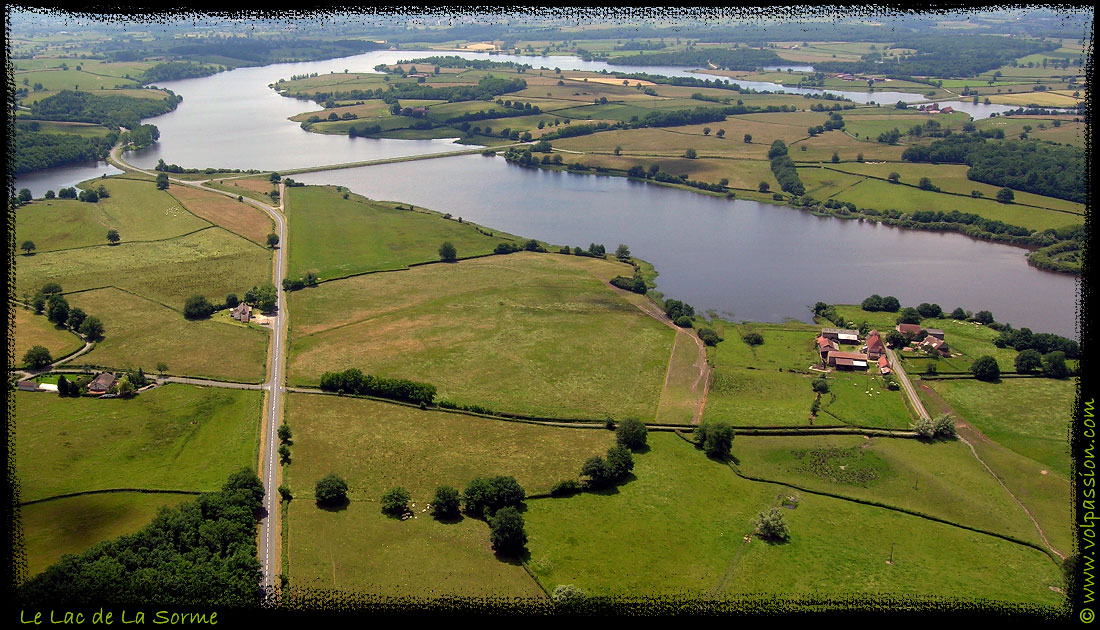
243	313
884	365
840	335
875	347
824	347
847	360
909	329
934	332
102	383
936	344
28	386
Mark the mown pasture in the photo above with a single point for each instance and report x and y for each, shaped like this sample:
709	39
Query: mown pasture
525	333
35	330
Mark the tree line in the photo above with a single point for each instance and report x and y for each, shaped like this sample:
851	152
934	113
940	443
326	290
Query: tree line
353	381
784	170
112	110
36	150
1032	166
202	552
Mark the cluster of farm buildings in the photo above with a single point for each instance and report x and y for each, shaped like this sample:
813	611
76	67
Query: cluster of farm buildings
873	348
100	385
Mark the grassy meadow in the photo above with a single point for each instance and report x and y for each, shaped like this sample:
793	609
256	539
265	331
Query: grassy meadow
525	333
596	542
175	437
376	446
240	218
142	333
35	330
335	237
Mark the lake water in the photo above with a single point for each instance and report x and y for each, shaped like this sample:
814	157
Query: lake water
743	259
62	177
746	260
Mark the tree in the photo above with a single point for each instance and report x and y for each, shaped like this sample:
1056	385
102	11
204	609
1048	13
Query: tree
1054	365
25	195
477	496
284	493
447	252
125	388
162	181
231	300
896	339
567	595
57	309
63	387
1028	361
708	336
715	438
930	310
619	461
958	313
753	338
162	367
445	503
890	304
272	240
266	297
331	490
37	357
770	525
909	315
873	303
721	133
983	317
631	433
943	426
27	246
820	385
284	433
894	177
835	158
506	531
1005	195
622	252
395	501
618	150
748	138
112	237
986	369
76	318
598	472
764	187
926	184
92	328
197	307
690	154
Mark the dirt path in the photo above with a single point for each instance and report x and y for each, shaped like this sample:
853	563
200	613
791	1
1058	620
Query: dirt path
702	378
970	435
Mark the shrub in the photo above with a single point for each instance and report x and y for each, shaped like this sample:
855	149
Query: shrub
197	307
566	594
1028	361
36	357
1054	365
944	426
484	496
446	502
395	501
506	531
565	488
708	336
331	490
631	433
753	339
820	385
986	369
715	438
683	321
771	526
447	252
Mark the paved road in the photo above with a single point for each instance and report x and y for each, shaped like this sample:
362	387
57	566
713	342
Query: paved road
895	363
269	466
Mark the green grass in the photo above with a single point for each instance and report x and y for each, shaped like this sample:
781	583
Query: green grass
849	402
525	333
941	479
376	446
211	262
335	237
84	130
752	397
1030	416
35	330
136	209
71	525
142	333
684	385
678	529
174	437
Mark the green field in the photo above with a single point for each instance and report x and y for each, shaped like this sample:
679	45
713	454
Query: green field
136	209
679	528
941	479
142	333
210	262
1030	416
861	399
174	437
376	446
526	333
35	330
335	237
72	525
